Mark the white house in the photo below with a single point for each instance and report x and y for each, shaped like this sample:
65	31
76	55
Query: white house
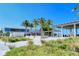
15	31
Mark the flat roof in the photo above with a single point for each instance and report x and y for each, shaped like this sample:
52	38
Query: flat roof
68	25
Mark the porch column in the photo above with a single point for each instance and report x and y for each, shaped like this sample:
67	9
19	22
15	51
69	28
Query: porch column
61	31
74	30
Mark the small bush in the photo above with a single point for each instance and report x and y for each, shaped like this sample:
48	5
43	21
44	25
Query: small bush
30	42
64	46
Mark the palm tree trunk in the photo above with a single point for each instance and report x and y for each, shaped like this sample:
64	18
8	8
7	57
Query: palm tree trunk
34	32
42	33
31	31
26	31
48	31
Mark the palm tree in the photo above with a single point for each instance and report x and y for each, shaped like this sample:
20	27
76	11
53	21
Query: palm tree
45	25
76	9
49	23
42	23
31	26
35	23
26	24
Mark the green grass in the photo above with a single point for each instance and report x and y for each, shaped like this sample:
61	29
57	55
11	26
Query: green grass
13	39
51	48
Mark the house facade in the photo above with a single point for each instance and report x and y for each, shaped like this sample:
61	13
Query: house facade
13	32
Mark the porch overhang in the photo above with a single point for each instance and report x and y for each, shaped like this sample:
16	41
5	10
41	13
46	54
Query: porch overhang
69	25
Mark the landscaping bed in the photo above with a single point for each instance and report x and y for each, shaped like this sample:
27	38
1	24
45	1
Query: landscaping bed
51	48
13	39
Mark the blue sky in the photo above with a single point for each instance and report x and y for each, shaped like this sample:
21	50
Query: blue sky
12	15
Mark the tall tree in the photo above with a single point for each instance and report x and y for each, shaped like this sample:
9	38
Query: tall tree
49	23
42	23
31	26
76	9
35	23
46	25
26	24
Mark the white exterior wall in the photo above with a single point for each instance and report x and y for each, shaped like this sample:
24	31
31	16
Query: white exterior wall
14	34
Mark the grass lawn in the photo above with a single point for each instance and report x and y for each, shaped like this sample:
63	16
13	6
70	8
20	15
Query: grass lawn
67	47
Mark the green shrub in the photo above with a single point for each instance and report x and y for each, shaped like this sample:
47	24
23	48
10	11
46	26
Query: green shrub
70	40
11	39
63	46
